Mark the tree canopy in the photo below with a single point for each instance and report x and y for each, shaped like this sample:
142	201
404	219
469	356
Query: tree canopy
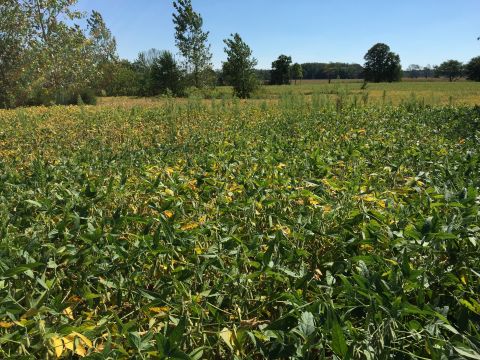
381	64
192	42
452	69
239	69
47	57
167	77
280	74
473	69
297	72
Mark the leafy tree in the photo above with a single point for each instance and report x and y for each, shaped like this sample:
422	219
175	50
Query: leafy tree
280	73
103	43
13	62
120	79
239	69
166	75
473	69
104	50
452	69
382	65
143	67
46	56
191	41
297	72
60	52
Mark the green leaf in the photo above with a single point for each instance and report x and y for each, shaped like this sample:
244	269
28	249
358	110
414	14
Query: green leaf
339	344
34	203
467	352
307	324
20	269
178	334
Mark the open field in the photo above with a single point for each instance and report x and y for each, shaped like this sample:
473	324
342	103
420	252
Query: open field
431	93
293	228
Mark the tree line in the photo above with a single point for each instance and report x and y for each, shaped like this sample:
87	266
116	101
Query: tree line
52	54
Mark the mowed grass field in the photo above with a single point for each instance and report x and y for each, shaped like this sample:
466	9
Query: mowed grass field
302	227
433	92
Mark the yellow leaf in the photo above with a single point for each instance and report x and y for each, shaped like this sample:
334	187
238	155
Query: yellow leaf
100	347
393	262
189	226
74	299
192	184
284	229
21	323
198	250
169	170
313	201
472	306
227	336
68	313
382	203
463	278
160	309
68	342
369	198
168	214
6	324
366	247
169	192
57	346
87	342
327	209
80	350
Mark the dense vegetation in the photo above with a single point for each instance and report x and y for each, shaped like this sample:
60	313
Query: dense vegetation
46	57
299	230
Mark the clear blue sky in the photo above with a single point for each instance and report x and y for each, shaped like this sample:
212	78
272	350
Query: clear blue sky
421	31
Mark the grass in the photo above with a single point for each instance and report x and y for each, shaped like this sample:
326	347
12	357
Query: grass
296	228
431	93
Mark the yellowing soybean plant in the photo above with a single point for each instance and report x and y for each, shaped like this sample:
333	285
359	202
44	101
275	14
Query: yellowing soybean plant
224	230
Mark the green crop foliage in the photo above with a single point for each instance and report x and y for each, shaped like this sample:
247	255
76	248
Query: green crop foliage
306	229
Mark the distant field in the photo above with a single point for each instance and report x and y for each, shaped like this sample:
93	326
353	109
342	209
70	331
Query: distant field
347	92
430	93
